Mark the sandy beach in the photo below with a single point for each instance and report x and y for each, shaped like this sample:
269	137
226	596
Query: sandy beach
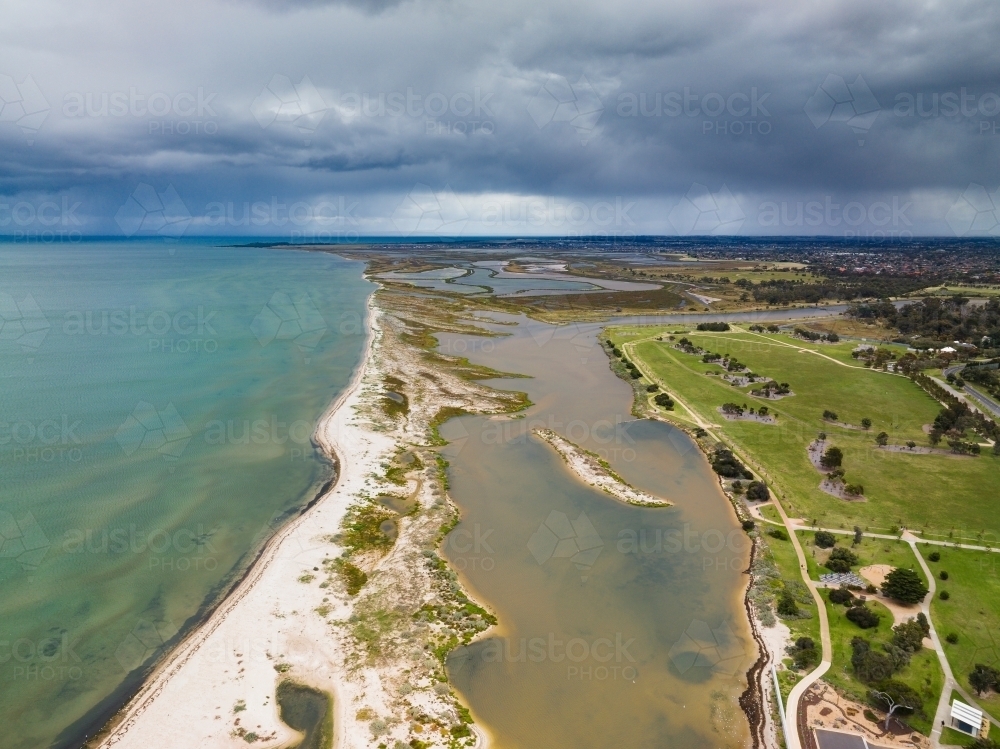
291	617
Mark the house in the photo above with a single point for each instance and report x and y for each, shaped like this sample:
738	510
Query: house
969	720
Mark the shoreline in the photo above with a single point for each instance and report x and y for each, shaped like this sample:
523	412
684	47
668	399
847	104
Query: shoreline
754	701
292	616
154	683
172	708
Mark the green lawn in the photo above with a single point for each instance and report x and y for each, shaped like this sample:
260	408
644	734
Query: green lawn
972	612
923	492
869	551
923	673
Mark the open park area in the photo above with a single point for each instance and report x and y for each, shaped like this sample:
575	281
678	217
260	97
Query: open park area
863	454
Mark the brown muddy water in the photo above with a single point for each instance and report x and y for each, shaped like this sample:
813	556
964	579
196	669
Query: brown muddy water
619	625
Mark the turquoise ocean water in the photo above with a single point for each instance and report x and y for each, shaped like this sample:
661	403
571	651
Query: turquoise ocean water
156	408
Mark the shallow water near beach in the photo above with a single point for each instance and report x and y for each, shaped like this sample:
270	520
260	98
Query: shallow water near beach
619	625
156	408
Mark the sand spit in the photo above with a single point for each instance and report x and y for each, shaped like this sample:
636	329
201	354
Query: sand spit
597	473
379	651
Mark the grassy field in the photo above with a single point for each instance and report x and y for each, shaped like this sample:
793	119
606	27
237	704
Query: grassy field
928	493
969	291
972	612
869	551
924	672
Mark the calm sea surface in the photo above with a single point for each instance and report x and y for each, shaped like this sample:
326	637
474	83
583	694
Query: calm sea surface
619	625
156	408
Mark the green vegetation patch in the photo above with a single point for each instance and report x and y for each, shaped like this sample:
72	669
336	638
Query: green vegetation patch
363	528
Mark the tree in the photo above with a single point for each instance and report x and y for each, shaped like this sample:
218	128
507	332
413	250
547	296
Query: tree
664	401
829	415
869	665
728	465
787	606
832	458
757	492
841	560
825	539
895	697
866	423
910	635
882	439
904	585
863	616
857	535
984	678
841	595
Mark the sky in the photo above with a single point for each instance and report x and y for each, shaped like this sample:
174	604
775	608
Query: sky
306	120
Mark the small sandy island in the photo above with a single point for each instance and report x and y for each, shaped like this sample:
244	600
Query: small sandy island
597	473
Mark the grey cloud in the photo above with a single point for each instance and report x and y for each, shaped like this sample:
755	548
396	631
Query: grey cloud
542	132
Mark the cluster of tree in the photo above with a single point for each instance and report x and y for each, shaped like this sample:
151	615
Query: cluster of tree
804	653
664	401
728	465
985	376
841	560
825	539
848	288
833	457
936	319
957	410
761	328
841	595
685	345
770	388
873	666
757	491
717	327
950	319
788	604
882	310
862	616
984	679
811	335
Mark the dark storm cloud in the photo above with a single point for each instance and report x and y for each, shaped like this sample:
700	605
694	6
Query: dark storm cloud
697	118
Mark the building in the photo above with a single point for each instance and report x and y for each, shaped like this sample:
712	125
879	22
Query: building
969	720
